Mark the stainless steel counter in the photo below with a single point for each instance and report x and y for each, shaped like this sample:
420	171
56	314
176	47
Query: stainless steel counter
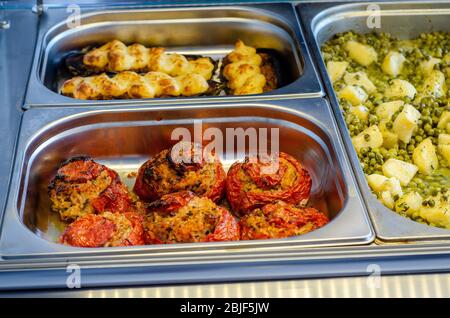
16	54
400	286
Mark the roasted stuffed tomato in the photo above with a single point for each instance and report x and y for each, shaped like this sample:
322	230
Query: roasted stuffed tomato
83	186
182	167
185	218
104	230
279	220
254	183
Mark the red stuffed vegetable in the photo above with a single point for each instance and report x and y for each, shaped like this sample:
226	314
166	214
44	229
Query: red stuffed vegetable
184	167
185	218
280	220
83	186
105	230
253	183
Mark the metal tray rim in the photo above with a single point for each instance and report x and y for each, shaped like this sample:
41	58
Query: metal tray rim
38	95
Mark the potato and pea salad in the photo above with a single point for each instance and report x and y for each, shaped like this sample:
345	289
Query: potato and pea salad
396	104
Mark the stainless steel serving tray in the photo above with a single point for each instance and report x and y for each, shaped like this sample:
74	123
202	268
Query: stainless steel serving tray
29	261
124	137
209	31
403	20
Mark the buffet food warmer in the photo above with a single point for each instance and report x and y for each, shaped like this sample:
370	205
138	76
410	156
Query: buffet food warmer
106	119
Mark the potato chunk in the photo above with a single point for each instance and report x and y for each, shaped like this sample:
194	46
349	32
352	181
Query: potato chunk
386	188
377	182
401	170
437	211
428	65
387	199
444	150
390	139
409	203
400	88
444	139
361	53
354	94
387	110
369	137
444	120
406	122
434	84
360	79
425	158
444	146
361	112
394	187
336	70
393	63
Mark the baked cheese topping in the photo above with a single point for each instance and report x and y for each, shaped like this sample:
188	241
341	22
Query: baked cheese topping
115	56
132	85
243	71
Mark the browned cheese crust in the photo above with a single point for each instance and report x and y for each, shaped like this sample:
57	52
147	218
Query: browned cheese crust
127	85
115	56
248	72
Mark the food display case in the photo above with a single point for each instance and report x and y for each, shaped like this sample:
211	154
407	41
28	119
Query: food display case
362	237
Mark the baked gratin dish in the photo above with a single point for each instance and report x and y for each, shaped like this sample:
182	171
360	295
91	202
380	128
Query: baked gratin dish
119	71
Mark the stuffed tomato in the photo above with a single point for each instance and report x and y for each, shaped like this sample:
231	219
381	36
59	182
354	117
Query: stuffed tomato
279	220
104	230
83	186
253	183
184	167
184	217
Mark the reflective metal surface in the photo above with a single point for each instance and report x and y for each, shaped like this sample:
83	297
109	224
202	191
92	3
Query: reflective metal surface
210	31
240	265
403	20
135	268
124	139
399	286
15	63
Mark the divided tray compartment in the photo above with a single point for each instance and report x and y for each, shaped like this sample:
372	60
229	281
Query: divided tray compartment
403	20
209	31
123	138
